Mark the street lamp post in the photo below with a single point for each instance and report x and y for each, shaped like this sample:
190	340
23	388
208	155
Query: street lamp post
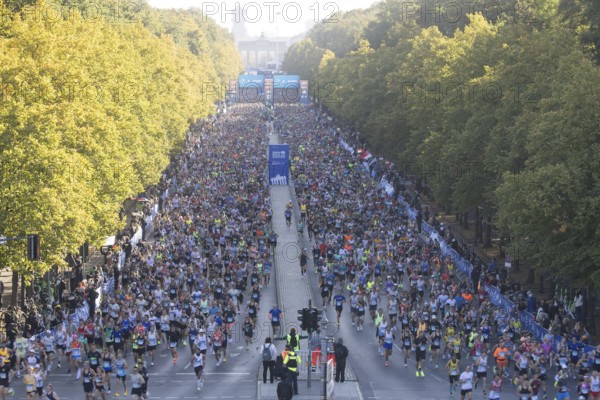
277	42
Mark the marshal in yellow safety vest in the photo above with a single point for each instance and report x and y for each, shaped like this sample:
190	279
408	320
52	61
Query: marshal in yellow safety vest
292	361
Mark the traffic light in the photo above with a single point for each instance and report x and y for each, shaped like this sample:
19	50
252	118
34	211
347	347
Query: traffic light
33	247
304	319
315	317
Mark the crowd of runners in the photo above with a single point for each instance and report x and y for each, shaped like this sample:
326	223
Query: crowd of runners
188	290
199	278
375	269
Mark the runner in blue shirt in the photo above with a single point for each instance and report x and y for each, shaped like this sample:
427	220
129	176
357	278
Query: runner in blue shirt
275	315
339	301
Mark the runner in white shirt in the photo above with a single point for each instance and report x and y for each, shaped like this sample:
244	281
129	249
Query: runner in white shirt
466	381
49	343
201	342
153	338
61	340
198	361
481	362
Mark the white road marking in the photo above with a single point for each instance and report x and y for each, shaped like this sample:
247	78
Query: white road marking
214	373
429	369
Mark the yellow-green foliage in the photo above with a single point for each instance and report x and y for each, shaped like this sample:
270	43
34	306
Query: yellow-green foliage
90	111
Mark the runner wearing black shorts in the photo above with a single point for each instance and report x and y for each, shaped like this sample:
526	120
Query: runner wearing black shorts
6	373
87	375
421	353
452	366
99	384
137	381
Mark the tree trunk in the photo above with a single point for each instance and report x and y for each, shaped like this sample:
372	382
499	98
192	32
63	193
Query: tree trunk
531	275
477	225
587	298
22	290
466	220
488	233
552	288
15	287
592	309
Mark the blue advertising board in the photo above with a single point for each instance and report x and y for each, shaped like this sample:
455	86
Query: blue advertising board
279	159
251	81
304	92
286	81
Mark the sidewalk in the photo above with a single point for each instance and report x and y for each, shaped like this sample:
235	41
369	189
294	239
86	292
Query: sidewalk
293	292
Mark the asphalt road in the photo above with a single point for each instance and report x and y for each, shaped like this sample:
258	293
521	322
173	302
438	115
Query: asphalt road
377	381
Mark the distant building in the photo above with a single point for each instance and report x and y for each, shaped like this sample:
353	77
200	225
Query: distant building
264	52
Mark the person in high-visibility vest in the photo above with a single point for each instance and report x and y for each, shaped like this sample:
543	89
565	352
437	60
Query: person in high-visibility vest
292	363
293	340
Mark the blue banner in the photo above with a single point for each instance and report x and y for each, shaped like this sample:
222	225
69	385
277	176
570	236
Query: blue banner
279	161
304	92
251	81
286	81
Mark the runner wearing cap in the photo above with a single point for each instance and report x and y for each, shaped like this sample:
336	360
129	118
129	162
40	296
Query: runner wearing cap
32	358
201	342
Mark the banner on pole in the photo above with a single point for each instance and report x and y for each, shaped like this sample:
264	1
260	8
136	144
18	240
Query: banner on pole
279	155
304	92
269	91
